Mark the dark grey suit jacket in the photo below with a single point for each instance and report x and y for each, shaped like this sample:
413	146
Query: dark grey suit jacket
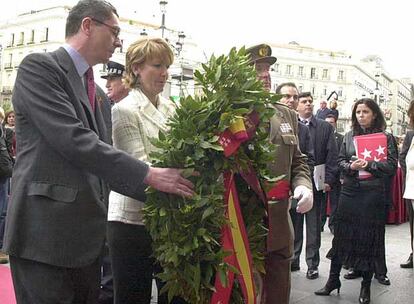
57	212
404	150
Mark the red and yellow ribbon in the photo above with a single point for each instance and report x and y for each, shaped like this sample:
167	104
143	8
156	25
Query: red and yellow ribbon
234	235
234	240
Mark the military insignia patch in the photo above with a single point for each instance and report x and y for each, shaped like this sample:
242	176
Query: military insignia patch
264	51
285	127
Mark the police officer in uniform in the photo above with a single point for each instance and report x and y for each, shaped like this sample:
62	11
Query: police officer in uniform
116	89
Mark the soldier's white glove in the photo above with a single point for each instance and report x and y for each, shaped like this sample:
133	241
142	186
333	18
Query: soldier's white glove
305	199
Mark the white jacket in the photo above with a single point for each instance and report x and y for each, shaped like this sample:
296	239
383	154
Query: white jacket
134	120
409	178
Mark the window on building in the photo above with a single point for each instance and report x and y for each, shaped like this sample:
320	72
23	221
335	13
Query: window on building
325	73
288	69
32	35
21	38
300	72
313	73
313	90
324	91
341	75
11	40
45	35
276	67
9	63
300	88
340	92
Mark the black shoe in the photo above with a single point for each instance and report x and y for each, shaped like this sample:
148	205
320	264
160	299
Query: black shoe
365	294
329	286
312	274
383	279
409	263
294	267
352	274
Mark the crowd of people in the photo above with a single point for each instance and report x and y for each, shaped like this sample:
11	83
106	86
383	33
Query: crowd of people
74	231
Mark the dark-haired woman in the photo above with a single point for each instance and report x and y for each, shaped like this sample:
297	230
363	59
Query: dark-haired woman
361	214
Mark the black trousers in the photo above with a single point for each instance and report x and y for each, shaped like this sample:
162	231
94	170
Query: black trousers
333	199
106	294
410	211
132	265
39	283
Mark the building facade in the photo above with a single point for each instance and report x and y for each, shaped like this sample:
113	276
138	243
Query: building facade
337	75
44	30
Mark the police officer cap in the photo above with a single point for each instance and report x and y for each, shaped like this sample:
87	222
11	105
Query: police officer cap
261	53
113	69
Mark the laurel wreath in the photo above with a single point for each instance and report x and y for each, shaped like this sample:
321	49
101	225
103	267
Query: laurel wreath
186	232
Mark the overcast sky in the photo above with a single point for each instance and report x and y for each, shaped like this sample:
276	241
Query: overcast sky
360	27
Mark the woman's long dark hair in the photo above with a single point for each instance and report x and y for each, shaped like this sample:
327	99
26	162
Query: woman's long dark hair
378	124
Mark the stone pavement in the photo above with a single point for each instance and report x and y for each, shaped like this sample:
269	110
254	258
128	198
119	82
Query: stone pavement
401	290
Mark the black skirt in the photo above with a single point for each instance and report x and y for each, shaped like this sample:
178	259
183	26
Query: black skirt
359	226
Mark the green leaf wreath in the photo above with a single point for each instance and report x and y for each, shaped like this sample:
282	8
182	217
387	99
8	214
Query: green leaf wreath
186	233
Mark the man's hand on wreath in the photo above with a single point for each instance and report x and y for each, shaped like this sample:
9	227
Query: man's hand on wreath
305	197
169	180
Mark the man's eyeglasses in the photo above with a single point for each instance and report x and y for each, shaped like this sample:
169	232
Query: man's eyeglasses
287	96
114	29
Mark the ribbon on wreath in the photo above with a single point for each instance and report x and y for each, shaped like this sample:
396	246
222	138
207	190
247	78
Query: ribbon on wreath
234	239
234	235
240	131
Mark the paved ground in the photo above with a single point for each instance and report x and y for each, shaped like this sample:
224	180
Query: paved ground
400	291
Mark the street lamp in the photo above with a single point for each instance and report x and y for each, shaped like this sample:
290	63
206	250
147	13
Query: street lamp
376	91
180	42
163	7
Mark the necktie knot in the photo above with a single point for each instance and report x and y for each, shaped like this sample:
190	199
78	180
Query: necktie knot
91	87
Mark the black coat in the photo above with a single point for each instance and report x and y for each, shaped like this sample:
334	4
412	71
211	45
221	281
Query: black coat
325	147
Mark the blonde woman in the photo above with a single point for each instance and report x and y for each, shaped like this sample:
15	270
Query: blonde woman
139	117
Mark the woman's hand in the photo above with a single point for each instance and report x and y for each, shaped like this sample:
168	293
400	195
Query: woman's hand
359	164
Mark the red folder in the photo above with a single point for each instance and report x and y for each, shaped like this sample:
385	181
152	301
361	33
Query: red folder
371	147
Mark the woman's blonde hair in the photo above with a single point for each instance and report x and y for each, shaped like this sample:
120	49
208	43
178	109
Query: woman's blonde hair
141	51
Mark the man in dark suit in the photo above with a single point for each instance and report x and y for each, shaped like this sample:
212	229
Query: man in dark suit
323	111
336	187
326	153
290	96
55	228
